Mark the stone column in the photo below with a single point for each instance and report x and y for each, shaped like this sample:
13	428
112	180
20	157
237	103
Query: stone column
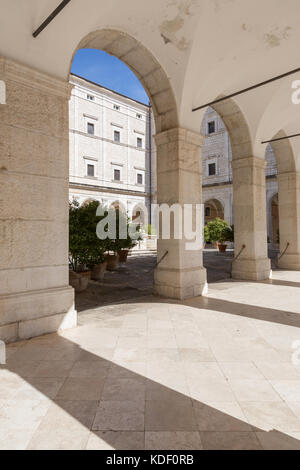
179	181
250	224
289	219
35	297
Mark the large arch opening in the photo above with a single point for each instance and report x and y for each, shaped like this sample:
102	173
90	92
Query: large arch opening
246	179
146	68
112	144
213	209
284	204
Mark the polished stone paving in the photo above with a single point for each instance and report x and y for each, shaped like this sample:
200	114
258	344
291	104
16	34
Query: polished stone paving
213	372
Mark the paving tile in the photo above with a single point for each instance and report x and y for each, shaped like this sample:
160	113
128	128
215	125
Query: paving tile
230	441
65	426
158	392
289	390
18	415
88	369
171	415
241	370
53	369
157	342
127	355
221	416
124	389
173	440
203	370
78	388
128	370
191	355
275	440
210	390
16	439
39	388
163	354
114	440
266	416
278	370
254	390
119	416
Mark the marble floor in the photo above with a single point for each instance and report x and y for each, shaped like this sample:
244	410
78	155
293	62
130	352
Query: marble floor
214	372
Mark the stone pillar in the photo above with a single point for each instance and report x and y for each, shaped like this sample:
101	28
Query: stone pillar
250	224
179	181
289	220
35	297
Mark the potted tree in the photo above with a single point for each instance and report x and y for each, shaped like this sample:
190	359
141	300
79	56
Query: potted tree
98	266
219	233
226	236
85	249
119	246
125	246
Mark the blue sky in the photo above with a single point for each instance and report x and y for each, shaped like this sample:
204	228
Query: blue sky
106	70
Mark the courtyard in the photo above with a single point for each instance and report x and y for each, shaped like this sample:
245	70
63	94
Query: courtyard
142	372
152	130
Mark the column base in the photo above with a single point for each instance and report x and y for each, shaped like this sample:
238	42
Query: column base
180	283
289	261
35	313
251	269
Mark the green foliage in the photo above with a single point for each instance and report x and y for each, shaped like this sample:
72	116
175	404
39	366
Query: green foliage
219	230
85	248
118	243
206	234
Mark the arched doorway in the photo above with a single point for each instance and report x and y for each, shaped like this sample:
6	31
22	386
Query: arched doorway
144	65
249	196
213	209
118	206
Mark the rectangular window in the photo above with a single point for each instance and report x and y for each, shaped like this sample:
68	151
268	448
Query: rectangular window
139	142
90	170
211	169
117	136
116	107
90	97
211	127
90	128
139	178
117	175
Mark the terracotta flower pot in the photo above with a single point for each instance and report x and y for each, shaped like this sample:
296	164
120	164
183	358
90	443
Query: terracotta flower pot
98	271
123	254
79	281
112	262
222	247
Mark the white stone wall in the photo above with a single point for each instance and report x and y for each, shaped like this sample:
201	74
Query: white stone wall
108	112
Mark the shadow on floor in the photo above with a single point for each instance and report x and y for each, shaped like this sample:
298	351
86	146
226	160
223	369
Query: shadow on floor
123	409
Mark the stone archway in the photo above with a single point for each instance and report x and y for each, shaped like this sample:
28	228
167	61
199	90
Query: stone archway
288	203
144	65
213	209
118	206
38	277
249	197
140	214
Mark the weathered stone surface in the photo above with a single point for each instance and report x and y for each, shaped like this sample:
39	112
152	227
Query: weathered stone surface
34	293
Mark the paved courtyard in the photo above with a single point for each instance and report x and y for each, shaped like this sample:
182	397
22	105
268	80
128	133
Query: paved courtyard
211	373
